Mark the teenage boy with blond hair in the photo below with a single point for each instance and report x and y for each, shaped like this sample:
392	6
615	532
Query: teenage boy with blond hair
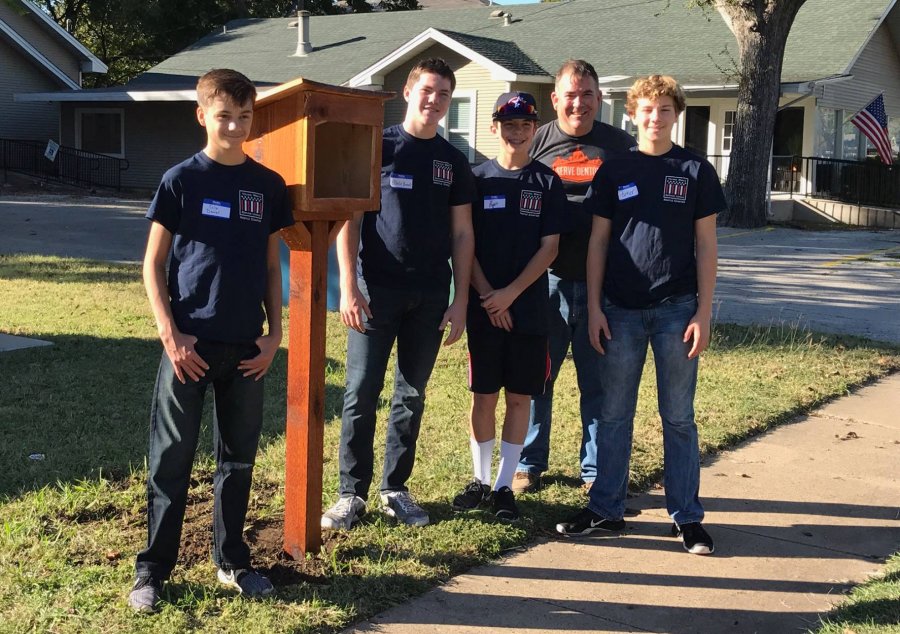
395	284
218	214
651	271
518	214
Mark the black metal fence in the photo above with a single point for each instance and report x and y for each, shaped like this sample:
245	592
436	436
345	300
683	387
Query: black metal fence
71	166
856	182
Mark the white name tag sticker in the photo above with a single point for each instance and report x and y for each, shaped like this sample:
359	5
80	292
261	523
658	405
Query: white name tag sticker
401	181
216	208
627	191
495	202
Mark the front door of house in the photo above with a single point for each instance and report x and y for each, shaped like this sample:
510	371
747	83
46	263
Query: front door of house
787	147
696	129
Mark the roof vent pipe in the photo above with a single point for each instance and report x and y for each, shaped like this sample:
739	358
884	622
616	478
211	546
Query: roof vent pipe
507	18
304	47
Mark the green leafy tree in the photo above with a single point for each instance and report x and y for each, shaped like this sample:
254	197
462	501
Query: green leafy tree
761	29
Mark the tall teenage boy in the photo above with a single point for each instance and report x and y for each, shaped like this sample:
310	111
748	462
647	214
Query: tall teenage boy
518	213
651	274
218	213
395	283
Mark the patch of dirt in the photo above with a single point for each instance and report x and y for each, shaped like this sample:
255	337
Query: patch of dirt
265	538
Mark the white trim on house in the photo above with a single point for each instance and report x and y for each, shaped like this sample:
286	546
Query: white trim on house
118	111
92	63
37	56
375	74
118	95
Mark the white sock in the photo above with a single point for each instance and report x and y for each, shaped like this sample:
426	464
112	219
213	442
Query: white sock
482	453
509	459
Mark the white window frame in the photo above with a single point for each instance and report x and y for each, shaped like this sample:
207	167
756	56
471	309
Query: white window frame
82	111
472	96
729	137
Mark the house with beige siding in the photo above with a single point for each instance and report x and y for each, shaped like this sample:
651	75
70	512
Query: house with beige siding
37	56
839	56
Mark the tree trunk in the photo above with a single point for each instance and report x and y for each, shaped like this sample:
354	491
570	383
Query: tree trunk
761	29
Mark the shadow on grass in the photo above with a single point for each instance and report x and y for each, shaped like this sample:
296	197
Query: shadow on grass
82	406
68	270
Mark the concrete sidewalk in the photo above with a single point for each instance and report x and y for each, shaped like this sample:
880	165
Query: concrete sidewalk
799	515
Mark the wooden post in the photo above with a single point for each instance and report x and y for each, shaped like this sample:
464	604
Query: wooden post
326	143
306	393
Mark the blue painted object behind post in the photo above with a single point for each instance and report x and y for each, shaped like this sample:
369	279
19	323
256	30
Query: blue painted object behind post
333	300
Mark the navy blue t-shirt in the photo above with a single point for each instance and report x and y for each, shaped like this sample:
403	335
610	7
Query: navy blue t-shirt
407	243
653	202
512	212
221	217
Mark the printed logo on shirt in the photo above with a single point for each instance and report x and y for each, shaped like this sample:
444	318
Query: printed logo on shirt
628	191
578	167
530	203
216	208
401	181
442	173
675	189
250	206
495	202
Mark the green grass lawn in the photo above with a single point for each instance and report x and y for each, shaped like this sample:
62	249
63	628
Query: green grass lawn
71	522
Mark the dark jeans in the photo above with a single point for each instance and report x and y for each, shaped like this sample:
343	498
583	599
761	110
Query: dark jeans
174	431
411	318
568	328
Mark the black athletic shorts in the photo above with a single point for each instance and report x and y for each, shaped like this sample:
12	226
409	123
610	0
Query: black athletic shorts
499	359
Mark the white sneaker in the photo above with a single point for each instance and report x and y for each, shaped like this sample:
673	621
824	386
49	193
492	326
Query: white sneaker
346	512
402	506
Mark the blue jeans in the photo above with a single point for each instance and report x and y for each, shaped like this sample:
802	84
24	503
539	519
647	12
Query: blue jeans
174	432
568	326
411	318
663	328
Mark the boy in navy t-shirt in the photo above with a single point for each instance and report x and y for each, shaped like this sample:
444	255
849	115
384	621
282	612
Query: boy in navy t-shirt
218	214
651	270
395	284
518	215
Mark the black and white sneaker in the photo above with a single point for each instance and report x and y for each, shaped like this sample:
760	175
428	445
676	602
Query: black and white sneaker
473	496
586	522
504	505
695	538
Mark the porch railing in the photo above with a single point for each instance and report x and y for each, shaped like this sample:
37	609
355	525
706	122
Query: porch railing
868	183
72	166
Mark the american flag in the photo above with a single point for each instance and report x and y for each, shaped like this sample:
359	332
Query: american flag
872	121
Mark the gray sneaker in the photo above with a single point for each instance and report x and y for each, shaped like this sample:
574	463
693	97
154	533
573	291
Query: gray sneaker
144	595
346	512
246	581
402	506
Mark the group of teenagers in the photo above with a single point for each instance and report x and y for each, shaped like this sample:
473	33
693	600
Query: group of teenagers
574	237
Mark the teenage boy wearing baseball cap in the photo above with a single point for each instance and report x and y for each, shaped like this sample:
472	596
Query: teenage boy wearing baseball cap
518	214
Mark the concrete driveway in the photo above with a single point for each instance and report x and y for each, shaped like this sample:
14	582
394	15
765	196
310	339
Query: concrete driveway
74	226
844	282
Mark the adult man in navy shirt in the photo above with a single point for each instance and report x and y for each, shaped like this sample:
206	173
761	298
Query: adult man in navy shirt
395	281
574	146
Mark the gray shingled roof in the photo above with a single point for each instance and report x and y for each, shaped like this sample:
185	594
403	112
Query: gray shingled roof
620	37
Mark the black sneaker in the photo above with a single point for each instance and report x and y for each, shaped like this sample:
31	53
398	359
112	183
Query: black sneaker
586	522
472	496
504	505
695	538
